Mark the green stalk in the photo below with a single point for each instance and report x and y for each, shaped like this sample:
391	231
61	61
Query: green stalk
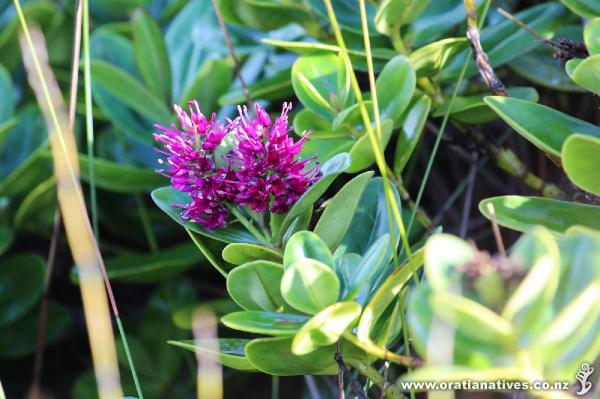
377	151
275	387
248	225
206	252
138	388
444	124
374	376
89	116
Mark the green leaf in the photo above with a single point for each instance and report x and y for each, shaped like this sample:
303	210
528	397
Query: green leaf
309	286
268	323
240	253
362	151
473	110
36	212
7	235
541	68
307	245
471	318
583	8
150	267
166	197
395	86
326	327
430	59
151	55
370	221
120	178
580	161
526	307
391	14
545	127
128	90
591	36
334	222
255	285
385	294
329	171
375	258
444	255
21	285
19	338
213	80
230	354
585	73
572	338
413	122
580	263
522	213
271	88
321	83
7	107
274	356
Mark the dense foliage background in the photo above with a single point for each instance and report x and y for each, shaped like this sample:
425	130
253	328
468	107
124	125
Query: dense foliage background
446	148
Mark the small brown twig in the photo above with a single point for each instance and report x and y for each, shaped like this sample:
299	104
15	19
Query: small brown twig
357	389
497	235
564	49
481	59
229	44
386	368
342	393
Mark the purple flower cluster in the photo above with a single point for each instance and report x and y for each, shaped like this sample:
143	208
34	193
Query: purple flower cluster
261	171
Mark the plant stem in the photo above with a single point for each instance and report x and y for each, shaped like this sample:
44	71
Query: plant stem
248	225
206	252
391	391
89	116
138	388
380	352
275	387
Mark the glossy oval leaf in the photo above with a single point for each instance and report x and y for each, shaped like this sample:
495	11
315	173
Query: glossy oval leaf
326	327
230	354
307	245
268	323
395	87
151	55
362	151
255	285
545	127
166	197
443	257
309	286
522	213
581	163
329	171
375	258
315	80
413	122
591	35
274	356
334	221
586	73
240	253
130	91
430	59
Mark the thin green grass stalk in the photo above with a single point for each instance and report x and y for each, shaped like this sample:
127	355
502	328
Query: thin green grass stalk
89	116
391	201
138	388
405	337
206	252
444	123
143	212
376	116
